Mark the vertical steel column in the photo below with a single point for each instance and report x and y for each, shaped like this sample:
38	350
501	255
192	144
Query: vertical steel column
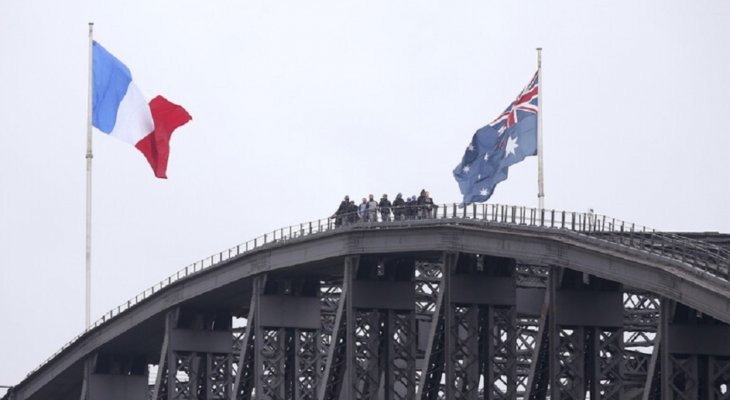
464	327
718	377
351	266
553	335
288	323
171	363
381	314
450	260
567	350
569	381
532	337
198	355
330	295
400	370
245	371
430	387
480	327
651	385
161	382
587	316
334	381
607	361
539	369
697	356
367	355
307	364
666	366
641	330
501	357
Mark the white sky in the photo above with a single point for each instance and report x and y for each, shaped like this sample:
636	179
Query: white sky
296	104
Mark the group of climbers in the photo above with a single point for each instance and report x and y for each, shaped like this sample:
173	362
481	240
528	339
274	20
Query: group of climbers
413	207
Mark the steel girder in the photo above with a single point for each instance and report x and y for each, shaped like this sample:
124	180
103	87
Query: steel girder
695	355
196	358
586	343
445	344
471	350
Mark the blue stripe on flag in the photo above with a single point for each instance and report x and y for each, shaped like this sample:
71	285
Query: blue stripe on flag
111	79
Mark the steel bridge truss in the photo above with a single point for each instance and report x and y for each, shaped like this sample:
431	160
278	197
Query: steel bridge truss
444	326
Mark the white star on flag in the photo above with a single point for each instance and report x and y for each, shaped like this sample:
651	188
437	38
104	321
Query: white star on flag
466	169
483	192
471	147
511	146
486	156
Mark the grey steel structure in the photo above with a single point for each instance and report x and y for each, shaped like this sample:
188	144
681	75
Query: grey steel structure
481	302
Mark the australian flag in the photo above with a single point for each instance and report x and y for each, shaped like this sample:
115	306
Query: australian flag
506	141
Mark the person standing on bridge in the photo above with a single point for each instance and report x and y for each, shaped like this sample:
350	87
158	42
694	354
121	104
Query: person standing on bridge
372	209
411	208
352	212
428	206
399	207
341	211
362	210
421	203
384	208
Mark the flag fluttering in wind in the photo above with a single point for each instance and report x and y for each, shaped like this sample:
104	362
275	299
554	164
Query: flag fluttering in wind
119	109
494	148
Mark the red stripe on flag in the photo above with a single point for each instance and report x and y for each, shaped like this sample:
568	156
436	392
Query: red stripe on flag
167	117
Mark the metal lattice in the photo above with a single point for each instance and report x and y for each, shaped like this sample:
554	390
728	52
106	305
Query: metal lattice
499	360
272	380
330	293
683	378
719	374
246	375
465	352
569	380
366	380
608	355
308	356
641	321
431	387
401	337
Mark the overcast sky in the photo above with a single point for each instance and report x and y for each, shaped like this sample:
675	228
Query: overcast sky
296	104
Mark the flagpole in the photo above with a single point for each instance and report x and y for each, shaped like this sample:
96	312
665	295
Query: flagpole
540	182
89	157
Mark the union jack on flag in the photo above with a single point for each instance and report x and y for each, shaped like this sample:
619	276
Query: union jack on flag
526	101
507	140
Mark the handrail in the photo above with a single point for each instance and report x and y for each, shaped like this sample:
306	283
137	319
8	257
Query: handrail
703	257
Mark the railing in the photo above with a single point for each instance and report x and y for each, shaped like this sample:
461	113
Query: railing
702	257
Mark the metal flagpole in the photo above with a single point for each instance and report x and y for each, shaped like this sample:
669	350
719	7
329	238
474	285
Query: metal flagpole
89	157
540	182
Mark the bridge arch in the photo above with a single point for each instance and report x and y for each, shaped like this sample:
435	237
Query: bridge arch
684	272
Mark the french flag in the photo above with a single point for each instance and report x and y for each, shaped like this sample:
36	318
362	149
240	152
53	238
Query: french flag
119	109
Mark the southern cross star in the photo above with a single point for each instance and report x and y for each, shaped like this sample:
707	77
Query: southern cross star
466	168
483	192
470	148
